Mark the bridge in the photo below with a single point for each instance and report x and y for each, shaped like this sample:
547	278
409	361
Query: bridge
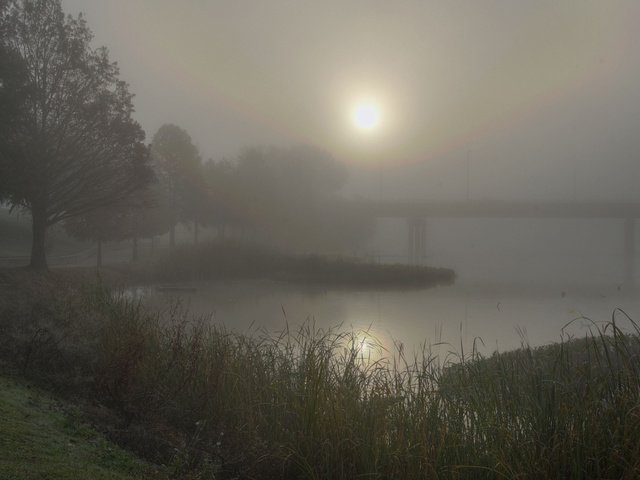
417	213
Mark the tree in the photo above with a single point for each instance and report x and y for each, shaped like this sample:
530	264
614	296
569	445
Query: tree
180	171
306	171
283	193
71	146
150	216
223	205
109	223
142	214
13	90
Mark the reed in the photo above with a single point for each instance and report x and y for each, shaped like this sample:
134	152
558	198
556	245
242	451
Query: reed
309	403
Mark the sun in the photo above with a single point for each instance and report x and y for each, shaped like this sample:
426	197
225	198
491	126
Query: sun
366	115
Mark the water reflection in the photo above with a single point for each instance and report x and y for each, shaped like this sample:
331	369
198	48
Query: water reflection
447	320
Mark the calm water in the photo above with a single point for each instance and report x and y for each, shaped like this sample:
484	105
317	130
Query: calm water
503	316
519	280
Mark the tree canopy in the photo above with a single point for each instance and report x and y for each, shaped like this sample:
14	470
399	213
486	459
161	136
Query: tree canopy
70	145
179	168
287	196
141	215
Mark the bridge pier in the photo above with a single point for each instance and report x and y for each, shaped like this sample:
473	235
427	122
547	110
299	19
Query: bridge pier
629	252
417	240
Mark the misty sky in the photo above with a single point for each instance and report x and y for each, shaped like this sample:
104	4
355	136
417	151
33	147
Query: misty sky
543	97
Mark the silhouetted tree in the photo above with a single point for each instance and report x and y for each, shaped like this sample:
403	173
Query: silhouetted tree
150	216
104	224
305	171
13	91
180	171
287	196
71	145
141	215
224	205
256	191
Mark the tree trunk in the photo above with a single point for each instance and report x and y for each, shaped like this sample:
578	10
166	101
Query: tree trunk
196	232
39	233
134	256
172	236
99	260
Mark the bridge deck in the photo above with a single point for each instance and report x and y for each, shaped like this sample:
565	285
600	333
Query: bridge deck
495	209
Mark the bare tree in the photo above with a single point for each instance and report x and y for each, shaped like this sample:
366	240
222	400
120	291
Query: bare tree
72	146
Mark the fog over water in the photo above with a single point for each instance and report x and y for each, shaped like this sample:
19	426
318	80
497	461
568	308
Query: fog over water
504	318
477	101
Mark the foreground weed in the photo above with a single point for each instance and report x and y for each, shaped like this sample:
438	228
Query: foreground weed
307	403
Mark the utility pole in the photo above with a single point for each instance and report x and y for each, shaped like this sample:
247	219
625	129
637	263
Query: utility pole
468	171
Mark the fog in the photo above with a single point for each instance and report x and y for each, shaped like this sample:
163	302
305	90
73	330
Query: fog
487	100
298	124
540	96
319	239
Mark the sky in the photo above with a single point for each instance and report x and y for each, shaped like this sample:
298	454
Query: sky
521	100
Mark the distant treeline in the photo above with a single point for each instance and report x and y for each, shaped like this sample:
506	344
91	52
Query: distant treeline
284	197
71	152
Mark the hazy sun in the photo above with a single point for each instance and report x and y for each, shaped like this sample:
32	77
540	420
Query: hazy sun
366	115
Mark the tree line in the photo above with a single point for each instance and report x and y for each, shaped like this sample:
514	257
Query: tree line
279	196
71	152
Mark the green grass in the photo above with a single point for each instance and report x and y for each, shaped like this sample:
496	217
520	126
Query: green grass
306	403
38	440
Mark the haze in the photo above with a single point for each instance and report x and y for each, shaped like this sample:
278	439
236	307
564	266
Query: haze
542	96
326	239
495	139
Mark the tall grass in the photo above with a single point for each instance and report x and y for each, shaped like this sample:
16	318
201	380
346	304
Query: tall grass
309	403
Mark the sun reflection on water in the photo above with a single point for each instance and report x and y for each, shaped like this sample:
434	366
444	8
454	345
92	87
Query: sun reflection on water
368	344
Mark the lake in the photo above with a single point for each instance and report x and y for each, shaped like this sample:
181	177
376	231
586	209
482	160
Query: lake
517	280
503	316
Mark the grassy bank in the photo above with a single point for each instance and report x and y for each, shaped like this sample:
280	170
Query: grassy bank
306	404
39	439
230	259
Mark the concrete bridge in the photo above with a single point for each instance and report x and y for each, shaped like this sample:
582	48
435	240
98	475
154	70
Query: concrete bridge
417	213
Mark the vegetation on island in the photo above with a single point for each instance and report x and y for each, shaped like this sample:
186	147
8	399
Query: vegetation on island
223	260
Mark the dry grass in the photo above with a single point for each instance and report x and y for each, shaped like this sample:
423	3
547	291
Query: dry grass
306	404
